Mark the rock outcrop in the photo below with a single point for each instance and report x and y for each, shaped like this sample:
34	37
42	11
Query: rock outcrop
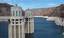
53	11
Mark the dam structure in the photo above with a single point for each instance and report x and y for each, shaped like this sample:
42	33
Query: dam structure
20	26
14	23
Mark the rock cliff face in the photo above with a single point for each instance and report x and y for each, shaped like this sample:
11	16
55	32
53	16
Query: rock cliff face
53	11
62	10
5	9
41	11
59	11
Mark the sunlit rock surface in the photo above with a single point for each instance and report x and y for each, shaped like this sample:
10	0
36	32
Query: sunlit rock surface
57	20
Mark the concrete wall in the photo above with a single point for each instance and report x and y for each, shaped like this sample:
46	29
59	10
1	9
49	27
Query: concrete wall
16	11
29	25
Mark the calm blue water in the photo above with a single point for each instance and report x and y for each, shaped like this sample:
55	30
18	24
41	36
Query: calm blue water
46	29
3	29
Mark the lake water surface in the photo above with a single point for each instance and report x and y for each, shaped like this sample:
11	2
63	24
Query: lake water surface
46	29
